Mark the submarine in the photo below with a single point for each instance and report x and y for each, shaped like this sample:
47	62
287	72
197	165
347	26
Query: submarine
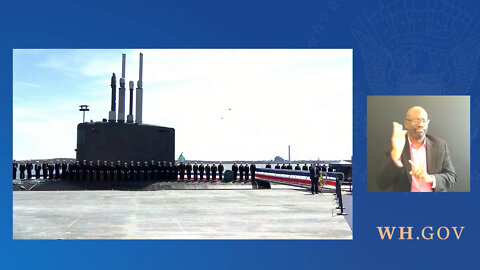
125	140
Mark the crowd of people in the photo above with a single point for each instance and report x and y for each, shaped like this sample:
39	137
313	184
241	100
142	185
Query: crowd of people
138	171
243	171
297	167
133	171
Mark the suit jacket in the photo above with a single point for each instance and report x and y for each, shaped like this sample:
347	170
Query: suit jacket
393	178
313	173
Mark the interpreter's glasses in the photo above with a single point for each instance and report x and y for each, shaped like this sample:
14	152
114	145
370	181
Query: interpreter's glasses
418	121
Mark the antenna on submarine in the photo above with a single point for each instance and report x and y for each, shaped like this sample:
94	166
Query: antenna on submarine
131	85
112	114
121	94
139	97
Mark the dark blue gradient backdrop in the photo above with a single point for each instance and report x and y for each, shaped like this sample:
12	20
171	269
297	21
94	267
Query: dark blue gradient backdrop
400	47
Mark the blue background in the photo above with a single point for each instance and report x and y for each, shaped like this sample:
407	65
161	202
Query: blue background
400	47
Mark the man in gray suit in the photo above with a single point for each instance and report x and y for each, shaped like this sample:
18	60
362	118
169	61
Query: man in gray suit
417	162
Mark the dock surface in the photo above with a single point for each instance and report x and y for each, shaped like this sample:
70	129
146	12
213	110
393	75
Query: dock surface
277	213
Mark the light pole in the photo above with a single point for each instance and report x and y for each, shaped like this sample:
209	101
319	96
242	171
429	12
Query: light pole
84	108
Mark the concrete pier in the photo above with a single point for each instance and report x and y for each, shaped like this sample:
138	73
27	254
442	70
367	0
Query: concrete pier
279	213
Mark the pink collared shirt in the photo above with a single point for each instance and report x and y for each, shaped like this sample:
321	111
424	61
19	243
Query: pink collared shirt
419	157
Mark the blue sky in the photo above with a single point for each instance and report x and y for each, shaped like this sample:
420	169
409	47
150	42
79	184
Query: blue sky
277	97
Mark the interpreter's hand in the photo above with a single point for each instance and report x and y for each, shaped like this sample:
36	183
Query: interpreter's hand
420	173
398	141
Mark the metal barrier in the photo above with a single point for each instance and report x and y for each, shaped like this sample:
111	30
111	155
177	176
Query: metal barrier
338	194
